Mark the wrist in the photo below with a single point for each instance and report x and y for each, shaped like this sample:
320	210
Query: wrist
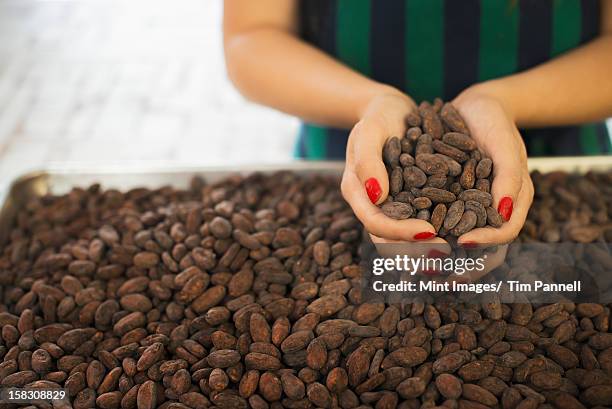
383	94
491	90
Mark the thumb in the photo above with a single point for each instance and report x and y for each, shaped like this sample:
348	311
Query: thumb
368	165
365	168
507	180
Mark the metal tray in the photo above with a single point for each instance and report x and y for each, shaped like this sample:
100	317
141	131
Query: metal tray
59	180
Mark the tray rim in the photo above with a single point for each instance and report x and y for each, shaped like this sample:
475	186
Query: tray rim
79	169
38	182
76	170
544	164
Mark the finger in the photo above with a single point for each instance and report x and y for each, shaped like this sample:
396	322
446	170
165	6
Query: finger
438	241
373	218
507	179
436	247
493	260
510	230
366	160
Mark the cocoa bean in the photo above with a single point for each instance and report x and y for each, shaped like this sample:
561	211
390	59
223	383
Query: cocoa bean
493	217
406	159
453	214
483	198
468	176
449	386
438	195
397	210
421	203
460	140
414	177
431	164
479	210
452	119
483	169
391	151
438	216
431	122
396	181
450	151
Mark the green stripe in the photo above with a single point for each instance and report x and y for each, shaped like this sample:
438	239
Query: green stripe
567	25
499	39
353	34
424	49
589	142
315	142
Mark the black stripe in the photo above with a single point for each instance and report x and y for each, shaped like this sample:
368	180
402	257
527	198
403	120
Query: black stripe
535	28
328	28
531	137
564	141
336	143
318	23
590	19
603	137
556	141
318	26
461	43
387	39
329	45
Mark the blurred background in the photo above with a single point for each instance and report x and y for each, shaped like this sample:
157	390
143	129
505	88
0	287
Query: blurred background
115	82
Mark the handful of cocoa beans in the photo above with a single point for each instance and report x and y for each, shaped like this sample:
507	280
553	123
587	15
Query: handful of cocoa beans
437	173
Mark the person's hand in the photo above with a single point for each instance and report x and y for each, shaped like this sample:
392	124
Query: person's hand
365	182
492	126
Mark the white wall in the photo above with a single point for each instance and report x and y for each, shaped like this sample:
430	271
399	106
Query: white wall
102	81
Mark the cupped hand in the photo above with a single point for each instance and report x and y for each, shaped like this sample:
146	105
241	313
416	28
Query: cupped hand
492	126
365	183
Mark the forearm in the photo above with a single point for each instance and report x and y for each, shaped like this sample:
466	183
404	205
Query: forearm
275	68
574	88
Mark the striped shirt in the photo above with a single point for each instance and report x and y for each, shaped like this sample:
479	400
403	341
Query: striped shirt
437	48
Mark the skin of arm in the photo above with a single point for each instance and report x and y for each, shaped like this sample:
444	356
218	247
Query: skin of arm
271	65
574	88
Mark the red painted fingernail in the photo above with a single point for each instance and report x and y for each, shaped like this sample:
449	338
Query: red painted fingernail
373	189
469	245
426	235
436	254
505	208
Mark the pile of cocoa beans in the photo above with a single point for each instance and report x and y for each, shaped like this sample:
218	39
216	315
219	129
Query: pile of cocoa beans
438	174
245	293
570	208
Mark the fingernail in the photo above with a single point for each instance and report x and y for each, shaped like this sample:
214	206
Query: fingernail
436	254
373	189
426	235
505	208
469	245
